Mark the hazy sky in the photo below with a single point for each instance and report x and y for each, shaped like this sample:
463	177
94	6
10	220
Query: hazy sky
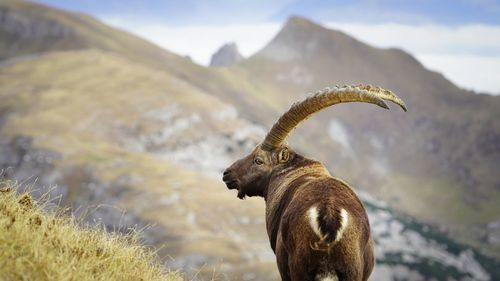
460	38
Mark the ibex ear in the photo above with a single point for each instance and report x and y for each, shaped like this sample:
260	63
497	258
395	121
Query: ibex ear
283	155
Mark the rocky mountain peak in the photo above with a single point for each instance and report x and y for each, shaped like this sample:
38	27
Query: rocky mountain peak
226	55
302	38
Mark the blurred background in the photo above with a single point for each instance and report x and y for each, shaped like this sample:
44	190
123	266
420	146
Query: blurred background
134	108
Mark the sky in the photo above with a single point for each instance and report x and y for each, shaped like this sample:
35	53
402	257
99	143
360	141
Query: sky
459	38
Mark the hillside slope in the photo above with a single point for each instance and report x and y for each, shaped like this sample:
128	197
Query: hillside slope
29	29
35	245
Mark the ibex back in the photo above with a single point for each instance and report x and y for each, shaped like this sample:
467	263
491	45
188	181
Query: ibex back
317	226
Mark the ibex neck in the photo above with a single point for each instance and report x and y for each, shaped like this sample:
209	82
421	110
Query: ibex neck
282	188
283	179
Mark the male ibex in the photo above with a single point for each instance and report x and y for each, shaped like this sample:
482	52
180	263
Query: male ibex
317	226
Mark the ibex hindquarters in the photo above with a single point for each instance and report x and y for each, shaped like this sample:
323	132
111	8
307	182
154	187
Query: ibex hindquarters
324	234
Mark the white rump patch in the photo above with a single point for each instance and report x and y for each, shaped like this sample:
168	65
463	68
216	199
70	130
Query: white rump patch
327	277
312	214
344	220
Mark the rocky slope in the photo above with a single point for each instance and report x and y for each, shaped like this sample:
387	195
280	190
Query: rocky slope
132	127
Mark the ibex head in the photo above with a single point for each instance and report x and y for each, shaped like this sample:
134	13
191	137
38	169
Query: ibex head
251	174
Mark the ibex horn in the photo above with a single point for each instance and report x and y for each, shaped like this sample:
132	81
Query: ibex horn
300	111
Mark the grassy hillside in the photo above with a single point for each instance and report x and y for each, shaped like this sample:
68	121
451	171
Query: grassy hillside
35	245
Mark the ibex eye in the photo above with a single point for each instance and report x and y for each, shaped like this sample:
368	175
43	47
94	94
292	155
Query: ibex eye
258	161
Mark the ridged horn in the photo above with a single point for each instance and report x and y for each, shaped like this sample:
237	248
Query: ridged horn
300	111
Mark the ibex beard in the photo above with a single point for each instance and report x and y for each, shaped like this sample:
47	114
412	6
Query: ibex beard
317	226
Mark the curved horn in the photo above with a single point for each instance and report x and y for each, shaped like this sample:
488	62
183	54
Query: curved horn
300	111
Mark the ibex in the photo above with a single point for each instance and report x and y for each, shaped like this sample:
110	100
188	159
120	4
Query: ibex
317	226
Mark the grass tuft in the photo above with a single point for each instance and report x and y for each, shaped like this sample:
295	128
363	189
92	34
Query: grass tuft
36	245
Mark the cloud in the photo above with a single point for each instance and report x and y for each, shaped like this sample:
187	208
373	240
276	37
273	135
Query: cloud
479	73
468	55
478	39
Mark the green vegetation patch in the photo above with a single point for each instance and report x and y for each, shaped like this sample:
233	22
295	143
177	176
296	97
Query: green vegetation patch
429	267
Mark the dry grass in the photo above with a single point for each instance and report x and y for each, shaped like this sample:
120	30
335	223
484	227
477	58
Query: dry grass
35	245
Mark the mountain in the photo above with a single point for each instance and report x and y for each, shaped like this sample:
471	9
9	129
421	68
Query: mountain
226	55
116	122
449	137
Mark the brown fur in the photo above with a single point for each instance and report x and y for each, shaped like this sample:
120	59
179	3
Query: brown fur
290	185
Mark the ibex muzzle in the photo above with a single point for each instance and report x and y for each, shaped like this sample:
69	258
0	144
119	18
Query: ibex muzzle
317	226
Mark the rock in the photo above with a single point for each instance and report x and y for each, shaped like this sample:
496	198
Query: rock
226	55
31	27
21	162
